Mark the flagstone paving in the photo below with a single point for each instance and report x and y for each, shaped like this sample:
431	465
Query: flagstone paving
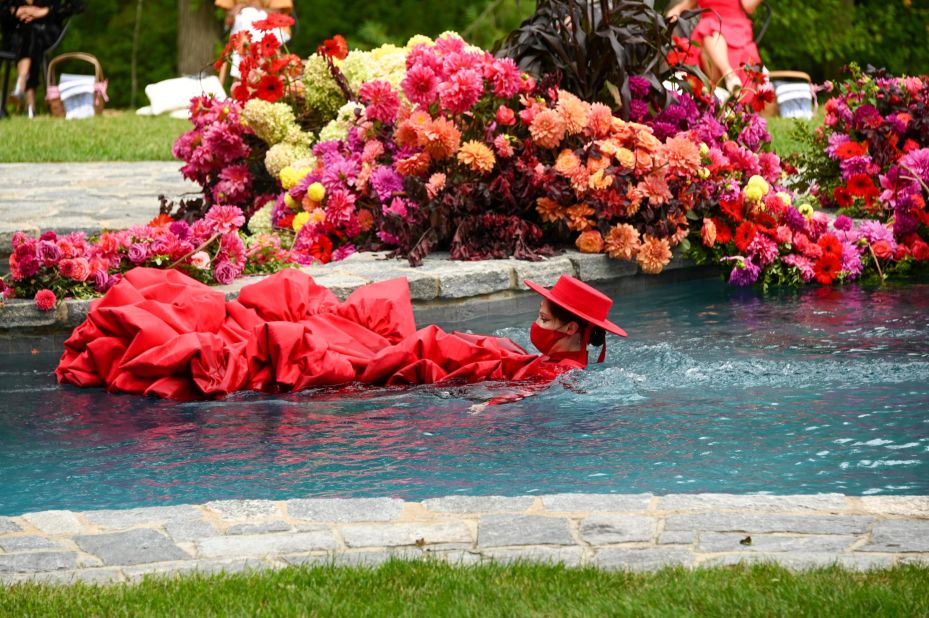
84	197
634	532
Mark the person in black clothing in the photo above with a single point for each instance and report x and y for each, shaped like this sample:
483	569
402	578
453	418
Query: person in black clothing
30	27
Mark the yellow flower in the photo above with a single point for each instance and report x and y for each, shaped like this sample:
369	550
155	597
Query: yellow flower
753	193
300	220
704	149
316	192
417	40
784	197
761	183
290	202
806	210
291	176
703	173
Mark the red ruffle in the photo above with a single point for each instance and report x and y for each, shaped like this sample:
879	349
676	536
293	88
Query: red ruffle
159	332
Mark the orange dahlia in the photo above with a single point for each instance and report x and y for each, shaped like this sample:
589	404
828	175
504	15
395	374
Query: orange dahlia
577	217
442	138
550	210
654	254
622	242
547	128
477	156
590	242
574	111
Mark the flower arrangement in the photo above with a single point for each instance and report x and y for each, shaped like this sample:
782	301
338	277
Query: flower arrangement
73	265
871	156
222	155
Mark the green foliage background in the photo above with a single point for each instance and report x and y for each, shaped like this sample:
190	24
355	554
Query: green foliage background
818	37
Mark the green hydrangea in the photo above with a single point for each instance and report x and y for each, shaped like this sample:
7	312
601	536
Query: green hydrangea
283	154
339	126
271	122
357	68
260	223
389	64
300	138
322	93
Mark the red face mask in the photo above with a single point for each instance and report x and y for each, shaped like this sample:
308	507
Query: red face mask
544	338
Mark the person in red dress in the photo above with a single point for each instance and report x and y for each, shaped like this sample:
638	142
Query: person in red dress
725	36
159	332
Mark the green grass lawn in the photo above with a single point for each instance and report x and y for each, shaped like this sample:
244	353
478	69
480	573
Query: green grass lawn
435	589
785	139
123	136
114	136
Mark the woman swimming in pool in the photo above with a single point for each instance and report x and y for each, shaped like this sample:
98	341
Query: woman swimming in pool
159	332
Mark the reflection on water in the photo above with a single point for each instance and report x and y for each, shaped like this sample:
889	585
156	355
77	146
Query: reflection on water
716	389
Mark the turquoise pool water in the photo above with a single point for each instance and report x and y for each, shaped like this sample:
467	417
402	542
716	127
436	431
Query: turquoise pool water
716	390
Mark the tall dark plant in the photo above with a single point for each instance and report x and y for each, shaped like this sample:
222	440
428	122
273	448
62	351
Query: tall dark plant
593	46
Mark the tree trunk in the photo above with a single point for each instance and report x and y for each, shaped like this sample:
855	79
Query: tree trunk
197	36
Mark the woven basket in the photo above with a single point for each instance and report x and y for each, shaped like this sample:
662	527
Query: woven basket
53	96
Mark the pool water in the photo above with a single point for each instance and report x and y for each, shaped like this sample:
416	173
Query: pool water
716	390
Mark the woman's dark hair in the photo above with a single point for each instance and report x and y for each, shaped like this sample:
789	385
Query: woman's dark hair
597	334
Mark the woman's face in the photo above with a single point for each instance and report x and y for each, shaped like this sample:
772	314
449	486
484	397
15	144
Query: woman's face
546	319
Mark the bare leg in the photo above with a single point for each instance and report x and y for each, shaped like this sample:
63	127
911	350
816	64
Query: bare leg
22	73
716	51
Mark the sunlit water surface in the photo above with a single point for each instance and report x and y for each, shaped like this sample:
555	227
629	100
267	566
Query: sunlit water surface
715	390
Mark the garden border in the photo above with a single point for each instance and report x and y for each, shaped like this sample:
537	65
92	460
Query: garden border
611	531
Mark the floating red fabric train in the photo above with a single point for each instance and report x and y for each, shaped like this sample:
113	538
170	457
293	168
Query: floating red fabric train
159	332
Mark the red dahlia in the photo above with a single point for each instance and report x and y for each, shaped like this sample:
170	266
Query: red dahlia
830	245
861	185
826	269
744	235
851	149
270	88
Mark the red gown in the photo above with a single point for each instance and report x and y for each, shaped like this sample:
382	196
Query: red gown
727	17
159	332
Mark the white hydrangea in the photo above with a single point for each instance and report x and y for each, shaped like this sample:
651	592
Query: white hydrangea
338	128
283	154
271	122
260	223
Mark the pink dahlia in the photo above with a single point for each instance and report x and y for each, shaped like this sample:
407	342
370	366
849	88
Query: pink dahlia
381	100
225	219
420	85
461	91
505	77
45	300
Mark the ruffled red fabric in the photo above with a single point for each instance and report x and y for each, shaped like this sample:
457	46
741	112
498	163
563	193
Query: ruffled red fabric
159	332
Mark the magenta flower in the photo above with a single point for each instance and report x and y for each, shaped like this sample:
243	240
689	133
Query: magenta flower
224	272
225	219
504	76
461	91
382	102
420	85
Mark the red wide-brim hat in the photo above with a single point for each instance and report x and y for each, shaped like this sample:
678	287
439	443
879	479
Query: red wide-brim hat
580	299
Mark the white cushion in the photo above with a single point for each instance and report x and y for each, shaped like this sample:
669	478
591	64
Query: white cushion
175	94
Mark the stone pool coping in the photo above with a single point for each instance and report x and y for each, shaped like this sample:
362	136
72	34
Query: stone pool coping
443	290
611	531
